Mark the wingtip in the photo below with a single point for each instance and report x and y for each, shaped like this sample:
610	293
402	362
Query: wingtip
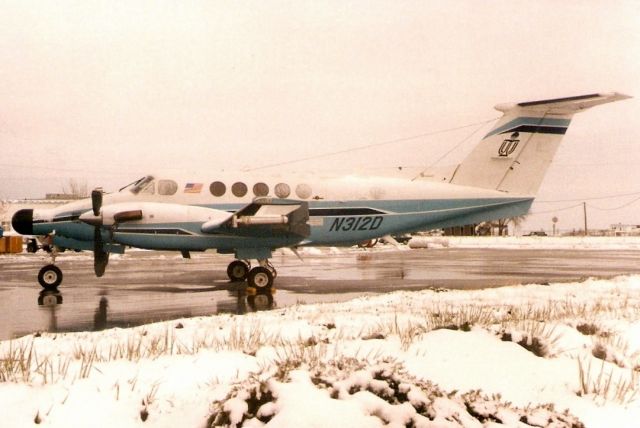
615	95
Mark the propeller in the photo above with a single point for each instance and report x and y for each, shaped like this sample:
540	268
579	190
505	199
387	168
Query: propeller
100	256
96	218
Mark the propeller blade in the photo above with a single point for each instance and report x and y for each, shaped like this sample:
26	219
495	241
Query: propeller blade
96	201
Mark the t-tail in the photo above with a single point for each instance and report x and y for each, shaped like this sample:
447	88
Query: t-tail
514	156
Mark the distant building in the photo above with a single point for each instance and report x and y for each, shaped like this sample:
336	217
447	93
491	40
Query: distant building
625	229
62	196
469	230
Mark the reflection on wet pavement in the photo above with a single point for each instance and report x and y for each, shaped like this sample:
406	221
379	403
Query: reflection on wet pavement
50	301
143	287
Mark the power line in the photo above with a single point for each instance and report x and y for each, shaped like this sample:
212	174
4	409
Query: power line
594	198
353	149
555	210
626	162
39	167
626	204
616	208
464	140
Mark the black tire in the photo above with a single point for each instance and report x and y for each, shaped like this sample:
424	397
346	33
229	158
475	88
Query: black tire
32	246
262	301
237	270
50	277
260	278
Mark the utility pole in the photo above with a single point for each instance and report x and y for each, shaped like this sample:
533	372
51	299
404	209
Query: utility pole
584	209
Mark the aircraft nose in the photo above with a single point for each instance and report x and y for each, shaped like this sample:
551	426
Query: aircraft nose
22	222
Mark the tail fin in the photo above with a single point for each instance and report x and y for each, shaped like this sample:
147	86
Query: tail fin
514	156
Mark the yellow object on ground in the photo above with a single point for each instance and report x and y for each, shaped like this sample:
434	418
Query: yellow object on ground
10	244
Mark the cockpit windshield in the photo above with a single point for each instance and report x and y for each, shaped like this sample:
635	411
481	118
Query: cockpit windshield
139	185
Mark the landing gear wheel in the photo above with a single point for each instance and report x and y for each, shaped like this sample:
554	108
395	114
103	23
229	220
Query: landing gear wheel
237	270
260	278
50	277
32	246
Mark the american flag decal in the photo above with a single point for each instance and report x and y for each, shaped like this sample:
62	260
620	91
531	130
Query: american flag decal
193	188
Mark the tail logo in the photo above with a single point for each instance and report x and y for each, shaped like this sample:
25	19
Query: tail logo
509	145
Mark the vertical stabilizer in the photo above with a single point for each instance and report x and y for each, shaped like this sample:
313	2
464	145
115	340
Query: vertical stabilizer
514	156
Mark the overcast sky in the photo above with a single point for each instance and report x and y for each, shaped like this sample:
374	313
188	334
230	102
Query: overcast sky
104	92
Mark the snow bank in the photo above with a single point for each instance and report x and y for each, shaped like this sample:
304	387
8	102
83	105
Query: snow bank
531	355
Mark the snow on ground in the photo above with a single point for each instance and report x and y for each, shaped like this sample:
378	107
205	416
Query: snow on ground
530	355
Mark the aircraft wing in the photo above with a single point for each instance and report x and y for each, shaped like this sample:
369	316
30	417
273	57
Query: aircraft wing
274	216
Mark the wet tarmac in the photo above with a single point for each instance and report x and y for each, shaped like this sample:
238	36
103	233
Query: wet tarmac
142	287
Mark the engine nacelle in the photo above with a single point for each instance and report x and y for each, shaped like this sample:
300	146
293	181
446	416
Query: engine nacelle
153	213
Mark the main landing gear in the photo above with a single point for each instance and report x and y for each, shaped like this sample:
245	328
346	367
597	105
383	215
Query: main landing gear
259	279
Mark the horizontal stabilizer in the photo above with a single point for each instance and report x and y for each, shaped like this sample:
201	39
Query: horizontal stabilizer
567	105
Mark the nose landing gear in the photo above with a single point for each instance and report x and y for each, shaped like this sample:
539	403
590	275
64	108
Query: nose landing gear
50	277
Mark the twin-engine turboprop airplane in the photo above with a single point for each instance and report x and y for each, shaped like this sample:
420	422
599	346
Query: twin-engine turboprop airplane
249	217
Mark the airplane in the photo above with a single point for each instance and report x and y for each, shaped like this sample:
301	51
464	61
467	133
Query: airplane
251	216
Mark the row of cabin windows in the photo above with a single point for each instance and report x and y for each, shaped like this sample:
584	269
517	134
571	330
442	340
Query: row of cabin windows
238	189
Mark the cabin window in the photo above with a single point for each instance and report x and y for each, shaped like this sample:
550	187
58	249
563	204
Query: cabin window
218	188
260	189
239	189
167	187
303	191
282	190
